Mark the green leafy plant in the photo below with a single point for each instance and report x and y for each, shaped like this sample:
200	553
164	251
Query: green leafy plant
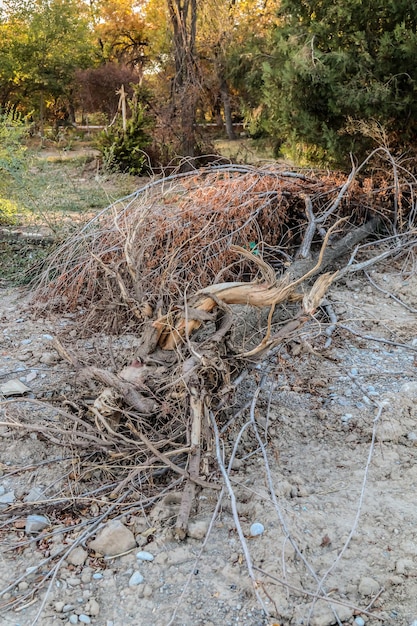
123	149
12	164
332	63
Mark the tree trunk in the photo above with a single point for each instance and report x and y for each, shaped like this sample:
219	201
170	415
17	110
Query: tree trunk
183	17
224	92
41	114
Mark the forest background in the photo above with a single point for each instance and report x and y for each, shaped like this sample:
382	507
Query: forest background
317	79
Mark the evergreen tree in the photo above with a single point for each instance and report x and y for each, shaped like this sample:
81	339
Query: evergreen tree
341	75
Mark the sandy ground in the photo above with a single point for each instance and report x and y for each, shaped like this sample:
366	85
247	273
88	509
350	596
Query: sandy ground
336	493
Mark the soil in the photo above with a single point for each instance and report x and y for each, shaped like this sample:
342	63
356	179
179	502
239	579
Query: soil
339	427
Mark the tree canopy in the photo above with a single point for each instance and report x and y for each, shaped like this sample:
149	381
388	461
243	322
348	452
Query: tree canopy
319	78
341	75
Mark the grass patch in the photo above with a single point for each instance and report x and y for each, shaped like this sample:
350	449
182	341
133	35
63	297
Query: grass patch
53	194
20	261
245	150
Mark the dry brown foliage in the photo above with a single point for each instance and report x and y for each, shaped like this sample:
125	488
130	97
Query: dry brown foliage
176	236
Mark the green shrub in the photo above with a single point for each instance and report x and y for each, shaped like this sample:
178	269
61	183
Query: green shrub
12	165
12	150
124	150
9	211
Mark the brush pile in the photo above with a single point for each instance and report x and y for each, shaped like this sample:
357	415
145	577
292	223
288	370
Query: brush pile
211	277
214	271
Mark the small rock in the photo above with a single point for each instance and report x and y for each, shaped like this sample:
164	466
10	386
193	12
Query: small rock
403	566
31	376
73	619
67	607
113	539
49	358
135	579
237	464
14	388
7	498
36	523
368	586
58	606
324	616
84	619
86	575
92	607
256	529
147	591
197	530
409	389
97	576
144	556
47	337
396	580
34	495
389	430
78	556
359	621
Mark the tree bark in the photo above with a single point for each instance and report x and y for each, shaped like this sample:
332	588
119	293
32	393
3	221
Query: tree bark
183	17
227	109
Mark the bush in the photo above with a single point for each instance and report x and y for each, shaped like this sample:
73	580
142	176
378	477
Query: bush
124	150
12	164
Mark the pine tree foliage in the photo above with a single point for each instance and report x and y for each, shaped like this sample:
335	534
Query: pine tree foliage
342	75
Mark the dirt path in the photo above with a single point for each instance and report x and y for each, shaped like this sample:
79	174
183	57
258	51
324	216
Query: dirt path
341	434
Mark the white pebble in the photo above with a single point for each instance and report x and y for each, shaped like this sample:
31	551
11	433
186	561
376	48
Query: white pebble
135	579
359	621
256	529
144	556
73	619
84	619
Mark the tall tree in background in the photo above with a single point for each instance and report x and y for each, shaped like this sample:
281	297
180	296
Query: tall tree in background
217	29
120	29
50	40
342	74
185	83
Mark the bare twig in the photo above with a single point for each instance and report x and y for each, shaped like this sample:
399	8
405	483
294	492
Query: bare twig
389	294
235	513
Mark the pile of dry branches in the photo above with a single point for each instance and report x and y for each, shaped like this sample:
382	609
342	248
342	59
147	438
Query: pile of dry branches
185	262
214	271
176	235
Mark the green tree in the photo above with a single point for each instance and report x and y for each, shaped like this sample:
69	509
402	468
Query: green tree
120	30
53	40
342	74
